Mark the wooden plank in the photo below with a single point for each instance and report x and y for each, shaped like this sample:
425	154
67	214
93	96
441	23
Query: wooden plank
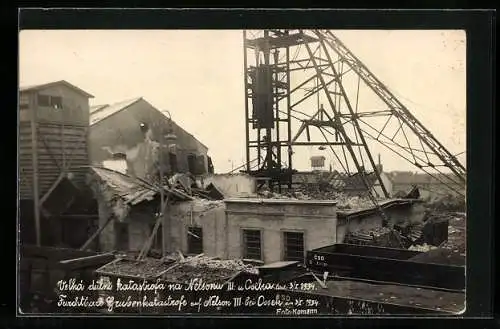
88	261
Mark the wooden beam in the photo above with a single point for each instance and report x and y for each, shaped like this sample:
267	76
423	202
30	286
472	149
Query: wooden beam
96	233
34	146
52	187
149	241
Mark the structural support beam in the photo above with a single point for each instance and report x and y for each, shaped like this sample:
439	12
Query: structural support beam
96	233
34	146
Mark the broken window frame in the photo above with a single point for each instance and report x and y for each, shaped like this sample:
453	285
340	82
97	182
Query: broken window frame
257	235
293	246
194	240
55	102
172	161
191	162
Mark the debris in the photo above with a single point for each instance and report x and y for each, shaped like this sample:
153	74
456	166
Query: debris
207	268
439	256
423	248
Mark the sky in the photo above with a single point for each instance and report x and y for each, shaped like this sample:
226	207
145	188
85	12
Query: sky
197	75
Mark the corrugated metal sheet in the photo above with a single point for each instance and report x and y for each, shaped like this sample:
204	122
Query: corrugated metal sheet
102	112
51	148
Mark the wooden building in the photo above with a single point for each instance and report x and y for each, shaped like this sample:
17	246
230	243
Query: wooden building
53	127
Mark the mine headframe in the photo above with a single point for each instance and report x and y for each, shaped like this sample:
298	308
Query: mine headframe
280	65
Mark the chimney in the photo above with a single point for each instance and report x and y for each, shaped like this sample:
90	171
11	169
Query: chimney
379	165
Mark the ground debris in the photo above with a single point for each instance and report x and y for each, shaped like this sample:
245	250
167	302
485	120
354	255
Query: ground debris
423	248
207	268
440	256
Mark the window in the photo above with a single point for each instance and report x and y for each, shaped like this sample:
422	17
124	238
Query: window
252	244
121	235
210	165
43	100
191	158
50	101
24	102
294	246
172	158
200	165
56	102
195	240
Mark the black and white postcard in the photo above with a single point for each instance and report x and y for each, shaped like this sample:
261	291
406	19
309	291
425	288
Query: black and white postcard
225	172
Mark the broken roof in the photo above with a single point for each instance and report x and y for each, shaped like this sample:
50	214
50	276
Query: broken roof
101	112
131	190
53	83
408	177
388	203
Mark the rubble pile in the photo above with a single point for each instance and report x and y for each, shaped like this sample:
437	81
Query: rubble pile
381	237
344	202
453	248
206	268
423	248
456	233
447	203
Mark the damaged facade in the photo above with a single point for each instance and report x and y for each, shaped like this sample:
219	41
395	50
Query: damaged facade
116	135
265	230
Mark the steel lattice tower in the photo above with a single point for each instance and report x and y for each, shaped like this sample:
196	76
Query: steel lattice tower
284	69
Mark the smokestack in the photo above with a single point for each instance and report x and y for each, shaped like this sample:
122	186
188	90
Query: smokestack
379	165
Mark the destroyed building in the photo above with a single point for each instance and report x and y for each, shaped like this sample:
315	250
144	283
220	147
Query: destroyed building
429	186
115	133
266	230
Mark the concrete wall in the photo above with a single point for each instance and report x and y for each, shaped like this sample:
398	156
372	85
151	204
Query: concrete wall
210	216
317	220
222	225
232	185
